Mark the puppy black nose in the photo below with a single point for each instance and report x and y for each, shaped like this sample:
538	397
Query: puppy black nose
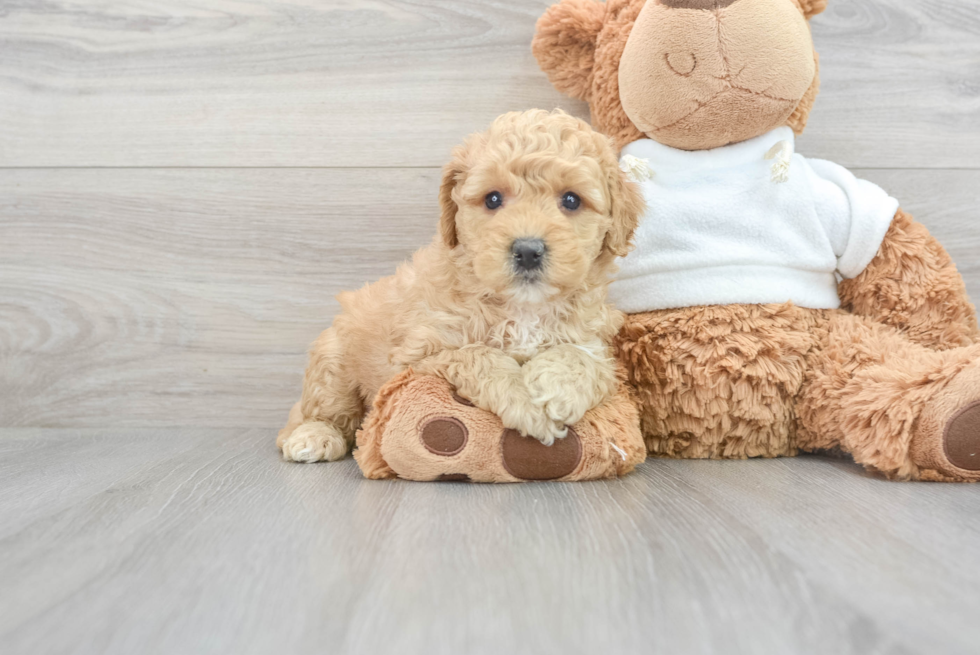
528	254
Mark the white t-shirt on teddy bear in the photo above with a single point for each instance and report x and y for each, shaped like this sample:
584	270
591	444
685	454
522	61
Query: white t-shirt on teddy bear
720	229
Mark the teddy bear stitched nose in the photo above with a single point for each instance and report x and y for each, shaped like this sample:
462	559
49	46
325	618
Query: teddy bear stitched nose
698	4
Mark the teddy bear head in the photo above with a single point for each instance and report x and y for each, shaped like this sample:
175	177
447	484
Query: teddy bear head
691	74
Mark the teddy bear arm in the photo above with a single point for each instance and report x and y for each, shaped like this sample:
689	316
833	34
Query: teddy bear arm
421	429
912	284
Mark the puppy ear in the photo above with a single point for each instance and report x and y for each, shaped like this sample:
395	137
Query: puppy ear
811	8
451	176
564	44
628	206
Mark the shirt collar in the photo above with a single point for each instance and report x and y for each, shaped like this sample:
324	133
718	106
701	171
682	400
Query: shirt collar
664	158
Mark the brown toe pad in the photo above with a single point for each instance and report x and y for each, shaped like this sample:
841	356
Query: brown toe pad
962	438
462	401
527	458
444	436
453	477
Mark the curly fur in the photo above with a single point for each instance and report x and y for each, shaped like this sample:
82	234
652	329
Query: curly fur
534	351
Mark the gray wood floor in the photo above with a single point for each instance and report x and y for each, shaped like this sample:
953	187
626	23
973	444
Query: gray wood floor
200	540
185	185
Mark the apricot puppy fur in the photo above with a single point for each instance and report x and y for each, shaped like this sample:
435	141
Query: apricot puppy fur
508	303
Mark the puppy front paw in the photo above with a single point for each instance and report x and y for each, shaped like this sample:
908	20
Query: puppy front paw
314	442
532	421
562	399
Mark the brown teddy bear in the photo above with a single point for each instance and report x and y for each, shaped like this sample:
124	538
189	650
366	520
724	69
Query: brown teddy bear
777	303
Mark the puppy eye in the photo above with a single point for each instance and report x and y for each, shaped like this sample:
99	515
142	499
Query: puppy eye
570	201
494	199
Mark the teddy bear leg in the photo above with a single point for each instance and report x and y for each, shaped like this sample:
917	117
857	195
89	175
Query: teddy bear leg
718	382
321	426
905	410
913	285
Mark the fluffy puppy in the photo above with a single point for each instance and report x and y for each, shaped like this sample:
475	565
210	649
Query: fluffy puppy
509	301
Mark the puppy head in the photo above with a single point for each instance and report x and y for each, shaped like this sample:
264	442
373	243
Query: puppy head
536	207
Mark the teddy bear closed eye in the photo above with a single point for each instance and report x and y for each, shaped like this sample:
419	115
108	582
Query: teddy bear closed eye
776	303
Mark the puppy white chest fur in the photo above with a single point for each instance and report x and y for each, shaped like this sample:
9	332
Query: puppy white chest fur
527	330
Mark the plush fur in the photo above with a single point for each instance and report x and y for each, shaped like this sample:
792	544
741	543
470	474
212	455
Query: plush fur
913	285
530	347
731	382
889	376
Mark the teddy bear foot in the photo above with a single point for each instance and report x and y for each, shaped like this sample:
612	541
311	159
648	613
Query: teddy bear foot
446	437
946	442
529	459
524	458
422	430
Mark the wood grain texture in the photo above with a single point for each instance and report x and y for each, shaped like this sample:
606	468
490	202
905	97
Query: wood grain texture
900	84
260	82
390	83
191	540
212	284
189	297
182	287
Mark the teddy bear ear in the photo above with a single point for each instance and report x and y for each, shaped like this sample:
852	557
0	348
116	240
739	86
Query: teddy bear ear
812	7
565	41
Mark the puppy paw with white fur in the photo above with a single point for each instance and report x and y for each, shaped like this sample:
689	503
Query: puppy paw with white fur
531	420
562	389
314	442
561	401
